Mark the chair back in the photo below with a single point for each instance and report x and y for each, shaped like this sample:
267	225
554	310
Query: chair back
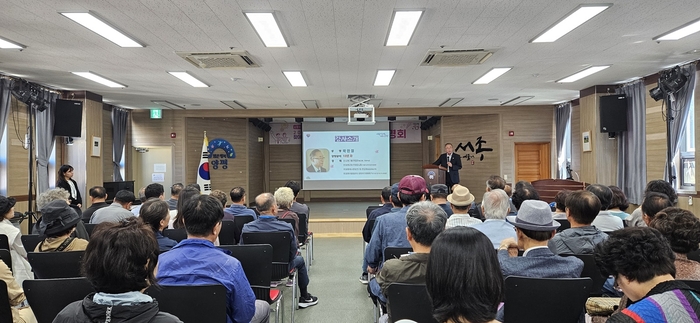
255	209
5	309
30	241
256	260
90	227
409	301
564	224
175	234
227	235
64	264
590	270
50	296
694	255
694	284
280	249
4	242
370	209
303	227
536	300
395	252
370	223
239	222
6	257
192	303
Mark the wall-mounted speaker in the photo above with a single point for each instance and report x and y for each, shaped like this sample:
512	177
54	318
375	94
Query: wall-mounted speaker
69	118
613	113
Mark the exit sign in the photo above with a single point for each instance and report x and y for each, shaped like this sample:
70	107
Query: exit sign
156	114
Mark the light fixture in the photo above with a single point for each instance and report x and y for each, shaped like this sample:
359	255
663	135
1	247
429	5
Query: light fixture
295	78
450	102
267	28
8	44
384	77
517	100
189	79
574	19
491	75
680	32
99	79
234	104
586	72
310	104
403	24
91	21
168	104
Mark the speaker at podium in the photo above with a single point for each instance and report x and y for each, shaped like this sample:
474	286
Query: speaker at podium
433	175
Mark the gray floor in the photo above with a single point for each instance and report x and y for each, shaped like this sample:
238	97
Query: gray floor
334	280
332	210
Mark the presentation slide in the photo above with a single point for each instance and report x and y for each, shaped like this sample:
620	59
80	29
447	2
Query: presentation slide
341	157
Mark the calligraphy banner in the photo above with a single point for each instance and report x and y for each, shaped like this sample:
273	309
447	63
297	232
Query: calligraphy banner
404	132
285	134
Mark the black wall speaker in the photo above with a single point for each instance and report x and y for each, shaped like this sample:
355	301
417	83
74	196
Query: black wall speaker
613	113
69	118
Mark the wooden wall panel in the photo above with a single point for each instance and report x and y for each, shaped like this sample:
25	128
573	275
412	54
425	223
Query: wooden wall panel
256	161
285	165
146	132
656	138
588	123
576	140
93	128
405	160
17	156
107	149
529	125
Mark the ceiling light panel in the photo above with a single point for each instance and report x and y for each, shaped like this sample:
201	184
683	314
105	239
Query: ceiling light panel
99	79
584	73
310	104
234	104
403	24
491	75
574	19
384	77
90	21
189	79
295	78
7	44
168	104
450	102
267	28
680	32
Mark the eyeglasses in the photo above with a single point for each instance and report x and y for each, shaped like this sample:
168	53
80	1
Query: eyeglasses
318	157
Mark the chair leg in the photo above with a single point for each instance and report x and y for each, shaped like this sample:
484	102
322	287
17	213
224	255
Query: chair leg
312	247
280	310
308	259
295	298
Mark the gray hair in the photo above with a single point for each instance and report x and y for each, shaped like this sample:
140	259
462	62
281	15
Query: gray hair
50	196
284	197
265	202
425	220
495	204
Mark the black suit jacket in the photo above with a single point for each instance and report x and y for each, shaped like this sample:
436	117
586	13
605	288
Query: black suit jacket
456	166
74	200
311	169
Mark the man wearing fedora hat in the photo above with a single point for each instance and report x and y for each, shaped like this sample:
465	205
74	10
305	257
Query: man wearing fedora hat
461	201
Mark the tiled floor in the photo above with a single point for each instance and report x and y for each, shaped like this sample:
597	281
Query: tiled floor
330	210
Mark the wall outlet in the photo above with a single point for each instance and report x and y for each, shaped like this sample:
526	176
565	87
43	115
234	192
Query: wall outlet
26	141
505	177
690	200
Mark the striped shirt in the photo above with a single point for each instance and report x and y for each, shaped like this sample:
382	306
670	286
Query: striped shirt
670	301
461	220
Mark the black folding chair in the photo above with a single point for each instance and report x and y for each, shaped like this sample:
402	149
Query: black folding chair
694	255
192	303
256	260
90	227
370	209
4	242
306	238
564	224
590	270
395	252
175	234
227	236
65	264
49	296
30	241
536	300
409	301
5	309
6	257
239	222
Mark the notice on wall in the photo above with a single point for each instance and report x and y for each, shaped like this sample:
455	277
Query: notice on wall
159	168
158	177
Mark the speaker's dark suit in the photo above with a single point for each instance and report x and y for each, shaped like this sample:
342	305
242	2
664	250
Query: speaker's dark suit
453	175
311	169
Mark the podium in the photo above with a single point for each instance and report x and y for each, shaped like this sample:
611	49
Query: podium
433	175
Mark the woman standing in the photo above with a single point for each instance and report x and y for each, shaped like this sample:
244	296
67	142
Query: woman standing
66	182
20	266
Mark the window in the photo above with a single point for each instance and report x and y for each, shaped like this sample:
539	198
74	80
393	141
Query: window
122	169
3	163
685	159
564	158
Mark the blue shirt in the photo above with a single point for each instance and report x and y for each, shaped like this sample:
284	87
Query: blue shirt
238	210
199	262
269	223
496	230
164	243
389	231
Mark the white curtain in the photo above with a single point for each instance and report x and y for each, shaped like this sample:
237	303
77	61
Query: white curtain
563	114
44	140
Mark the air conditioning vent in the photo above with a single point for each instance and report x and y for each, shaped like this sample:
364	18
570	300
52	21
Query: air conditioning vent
456	57
234	59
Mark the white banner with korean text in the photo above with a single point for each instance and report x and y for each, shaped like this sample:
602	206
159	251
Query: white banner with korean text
404	132
285	134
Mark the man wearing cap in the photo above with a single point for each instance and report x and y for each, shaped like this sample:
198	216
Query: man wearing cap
390	203
60	220
117	211
438	195
495	206
461	201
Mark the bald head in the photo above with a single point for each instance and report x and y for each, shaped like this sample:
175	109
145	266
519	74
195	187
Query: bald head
265	203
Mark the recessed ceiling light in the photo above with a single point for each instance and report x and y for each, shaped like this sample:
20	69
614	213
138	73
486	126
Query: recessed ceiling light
310	104
680	32
189	79
491	75
267	28
99	79
517	100
384	77
234	104
586	72
7	44
90	21
295	78
574	19
450	102
403	24
168	104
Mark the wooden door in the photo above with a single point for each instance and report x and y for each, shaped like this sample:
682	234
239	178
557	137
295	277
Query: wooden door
437	150
532	161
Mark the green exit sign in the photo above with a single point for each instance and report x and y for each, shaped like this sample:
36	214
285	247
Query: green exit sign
156	114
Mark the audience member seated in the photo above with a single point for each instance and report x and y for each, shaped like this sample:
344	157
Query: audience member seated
174	195
604	221
495	206
21	312
267	222
238	207
119	272
221	197
641	260
60	220
156	214
298	208
658	186
524	191
390	228
390	203
56	194
177	222
463	277
194	186
284	197
582	207
424	222
619	203
438	195
21	268
494	182
98	198
560	205
509	191
682	230
136	208
196	261
117	211
461	201
653	203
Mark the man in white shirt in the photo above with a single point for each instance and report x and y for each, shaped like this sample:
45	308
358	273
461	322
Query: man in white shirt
495	206
461	201
604	221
